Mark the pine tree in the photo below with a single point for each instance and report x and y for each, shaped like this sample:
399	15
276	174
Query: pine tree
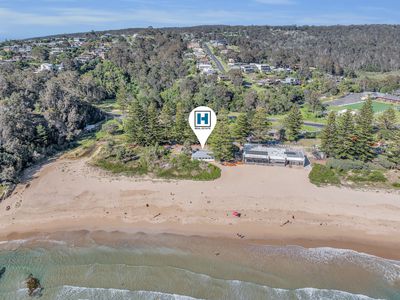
329	136
187	148
293	123
42	136
180	124
153	129
260	125
221	139
364	132
242	128
387	119
393	151
188	135
346	136
167	123
122	96
135	123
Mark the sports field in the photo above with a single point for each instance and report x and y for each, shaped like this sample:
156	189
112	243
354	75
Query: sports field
377	106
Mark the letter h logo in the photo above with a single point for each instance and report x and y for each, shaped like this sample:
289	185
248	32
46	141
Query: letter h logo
202	119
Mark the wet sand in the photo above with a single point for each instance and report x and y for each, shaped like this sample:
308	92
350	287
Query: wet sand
278	206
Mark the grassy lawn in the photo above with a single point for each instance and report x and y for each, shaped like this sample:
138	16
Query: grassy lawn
310	128
377	106
307	116
310	116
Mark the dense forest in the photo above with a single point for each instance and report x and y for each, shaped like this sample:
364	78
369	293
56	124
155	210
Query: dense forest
334	49
41	113
38	116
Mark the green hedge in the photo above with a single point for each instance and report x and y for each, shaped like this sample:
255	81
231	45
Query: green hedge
321	175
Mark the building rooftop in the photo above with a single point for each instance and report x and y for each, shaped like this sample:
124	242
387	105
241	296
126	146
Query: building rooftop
360	97
258	151
203	154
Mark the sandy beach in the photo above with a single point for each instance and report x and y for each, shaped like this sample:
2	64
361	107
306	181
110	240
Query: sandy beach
277	206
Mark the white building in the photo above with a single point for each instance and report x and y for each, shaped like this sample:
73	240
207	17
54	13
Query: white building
291	81
203	155
206	69
50	67
46	67
263	68
268	155
248	69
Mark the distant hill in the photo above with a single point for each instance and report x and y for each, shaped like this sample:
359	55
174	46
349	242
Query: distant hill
331	48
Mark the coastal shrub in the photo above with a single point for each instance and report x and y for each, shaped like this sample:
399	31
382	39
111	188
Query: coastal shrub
114	167
321	174
346	164
377	176
396	185
374	166
112	127
384	162
85	148
367	176
182	167
156	161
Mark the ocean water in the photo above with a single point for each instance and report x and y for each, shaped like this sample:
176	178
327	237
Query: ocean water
100	265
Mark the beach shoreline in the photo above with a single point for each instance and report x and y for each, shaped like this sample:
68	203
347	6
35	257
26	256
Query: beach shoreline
380	248
277	206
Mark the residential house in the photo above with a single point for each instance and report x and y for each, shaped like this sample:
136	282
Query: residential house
49	68
248	69
86	57
291	81
203	155
223	77
46	67
263	68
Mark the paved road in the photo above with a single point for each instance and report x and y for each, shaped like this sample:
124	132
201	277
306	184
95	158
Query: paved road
307	123
312	124
214	58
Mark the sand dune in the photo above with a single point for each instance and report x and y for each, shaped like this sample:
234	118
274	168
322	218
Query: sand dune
276	204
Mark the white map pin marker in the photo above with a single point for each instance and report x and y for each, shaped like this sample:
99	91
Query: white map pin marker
202	120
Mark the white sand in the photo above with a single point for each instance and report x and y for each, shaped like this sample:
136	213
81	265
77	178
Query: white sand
70	195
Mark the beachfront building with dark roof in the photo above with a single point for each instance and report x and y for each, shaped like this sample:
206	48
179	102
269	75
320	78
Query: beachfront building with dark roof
268	155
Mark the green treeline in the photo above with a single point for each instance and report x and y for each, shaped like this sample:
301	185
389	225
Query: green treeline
354	137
